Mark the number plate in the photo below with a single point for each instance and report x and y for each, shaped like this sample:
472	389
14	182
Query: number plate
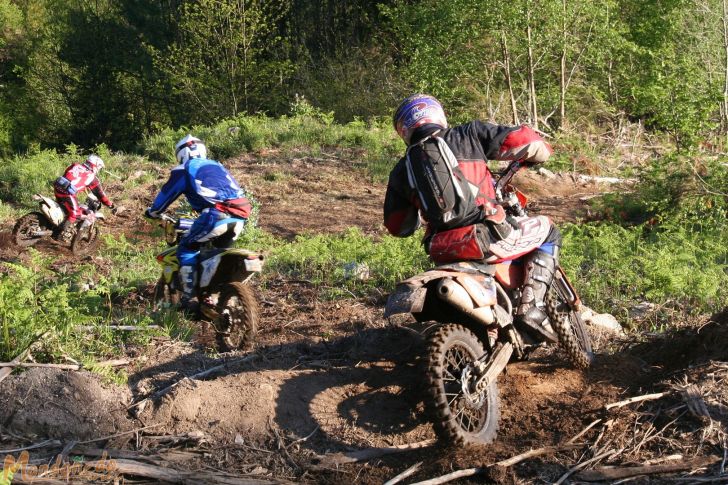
253	265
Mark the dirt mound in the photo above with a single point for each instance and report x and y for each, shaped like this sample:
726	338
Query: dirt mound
59	404
681	348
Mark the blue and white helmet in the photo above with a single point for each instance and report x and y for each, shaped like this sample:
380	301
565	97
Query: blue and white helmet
189	147
415	111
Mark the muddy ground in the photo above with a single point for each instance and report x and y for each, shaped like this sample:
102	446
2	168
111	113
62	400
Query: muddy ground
331	377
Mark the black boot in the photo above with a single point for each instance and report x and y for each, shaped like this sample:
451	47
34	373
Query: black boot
540	268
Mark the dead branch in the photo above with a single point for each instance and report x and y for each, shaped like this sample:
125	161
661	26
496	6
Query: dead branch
468	472
119	434
612	473
193	377
410	471
44	444
583	432
106	363
583	464
125	328
646	397
6	371
369	453
546	450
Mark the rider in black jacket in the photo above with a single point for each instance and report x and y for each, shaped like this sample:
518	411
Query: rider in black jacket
472	144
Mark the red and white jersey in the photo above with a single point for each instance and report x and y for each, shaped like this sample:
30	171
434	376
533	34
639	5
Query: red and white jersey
81	177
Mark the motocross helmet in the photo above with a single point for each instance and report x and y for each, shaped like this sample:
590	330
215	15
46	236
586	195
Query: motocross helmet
95	163
189	147
415	111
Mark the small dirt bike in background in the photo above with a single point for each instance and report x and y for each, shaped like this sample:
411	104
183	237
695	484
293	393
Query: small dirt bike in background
47	222
223	292
472	302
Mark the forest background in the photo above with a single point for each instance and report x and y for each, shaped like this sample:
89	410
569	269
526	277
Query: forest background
89	72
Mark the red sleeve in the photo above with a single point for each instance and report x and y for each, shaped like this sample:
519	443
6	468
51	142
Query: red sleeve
526	145
98	191
401	216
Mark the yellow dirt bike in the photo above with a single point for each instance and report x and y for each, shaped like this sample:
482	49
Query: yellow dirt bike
224	294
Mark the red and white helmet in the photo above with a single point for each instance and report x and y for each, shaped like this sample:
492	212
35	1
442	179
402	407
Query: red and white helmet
95	163
415	111
189	147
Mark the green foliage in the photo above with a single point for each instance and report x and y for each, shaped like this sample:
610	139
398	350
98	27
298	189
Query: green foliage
333	259
666	242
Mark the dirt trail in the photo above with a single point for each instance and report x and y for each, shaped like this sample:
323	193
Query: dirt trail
329	375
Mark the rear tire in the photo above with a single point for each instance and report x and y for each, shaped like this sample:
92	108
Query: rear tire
85	240
26	226
239	317
573	335
450	349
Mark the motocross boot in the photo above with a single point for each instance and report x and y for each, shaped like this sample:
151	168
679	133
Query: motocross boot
188	280
540	268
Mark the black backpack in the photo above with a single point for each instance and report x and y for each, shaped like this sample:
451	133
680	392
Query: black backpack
445	194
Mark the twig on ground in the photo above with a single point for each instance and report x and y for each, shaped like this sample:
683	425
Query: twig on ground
44	444
369	453
117	435
410	471
646	397
106	363
303	439
600	456
537	452
468	472
583	432
6	371
125	328
612	473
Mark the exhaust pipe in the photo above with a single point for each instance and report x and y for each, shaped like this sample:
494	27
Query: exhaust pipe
454	294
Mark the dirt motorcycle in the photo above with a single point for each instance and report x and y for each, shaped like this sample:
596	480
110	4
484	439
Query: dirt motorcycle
475	334
48	223
222	290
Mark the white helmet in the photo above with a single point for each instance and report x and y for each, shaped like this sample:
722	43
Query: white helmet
189	147
95	163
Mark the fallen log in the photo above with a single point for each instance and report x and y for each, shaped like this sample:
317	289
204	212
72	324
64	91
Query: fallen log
130	467
618	473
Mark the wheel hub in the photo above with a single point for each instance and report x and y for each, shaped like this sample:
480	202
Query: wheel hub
468	380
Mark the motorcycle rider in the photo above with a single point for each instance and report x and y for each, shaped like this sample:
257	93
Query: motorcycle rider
213	192
472	144
76	178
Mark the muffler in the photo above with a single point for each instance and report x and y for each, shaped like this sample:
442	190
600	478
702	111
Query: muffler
454	294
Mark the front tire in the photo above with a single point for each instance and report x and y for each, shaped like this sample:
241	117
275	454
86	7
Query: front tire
27	226
237	325
451	349
573	335
85	240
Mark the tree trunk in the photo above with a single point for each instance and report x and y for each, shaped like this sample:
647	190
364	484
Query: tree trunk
531	73
507	72
725	85
562	80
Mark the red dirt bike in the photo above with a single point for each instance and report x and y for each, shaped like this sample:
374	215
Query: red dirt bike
47	222
468	301
223	292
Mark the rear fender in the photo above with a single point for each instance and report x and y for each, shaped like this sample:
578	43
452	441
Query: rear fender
230	265
51	209
170	263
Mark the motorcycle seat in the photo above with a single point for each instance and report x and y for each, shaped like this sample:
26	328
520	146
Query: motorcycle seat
469	267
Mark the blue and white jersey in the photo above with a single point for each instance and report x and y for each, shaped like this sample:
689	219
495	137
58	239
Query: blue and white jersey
204	183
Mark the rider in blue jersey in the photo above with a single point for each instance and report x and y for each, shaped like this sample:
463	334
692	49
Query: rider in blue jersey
213	192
